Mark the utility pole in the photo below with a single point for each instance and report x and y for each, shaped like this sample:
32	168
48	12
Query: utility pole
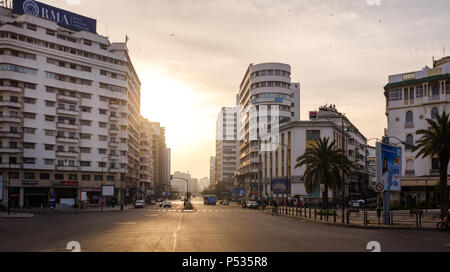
342	167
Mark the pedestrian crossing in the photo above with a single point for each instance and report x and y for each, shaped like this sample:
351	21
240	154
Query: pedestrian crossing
179	210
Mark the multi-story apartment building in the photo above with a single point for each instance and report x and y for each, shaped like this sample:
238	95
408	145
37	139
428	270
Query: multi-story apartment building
212	170
146	156
411	98
227	147
279	158
267	99
161	157
358	181
69	111
179	182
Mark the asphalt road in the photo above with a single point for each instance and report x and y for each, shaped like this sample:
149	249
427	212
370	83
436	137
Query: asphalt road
209	229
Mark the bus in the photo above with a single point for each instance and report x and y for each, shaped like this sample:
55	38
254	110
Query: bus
210	200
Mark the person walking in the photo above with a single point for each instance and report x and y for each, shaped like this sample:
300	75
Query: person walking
75	207
275	208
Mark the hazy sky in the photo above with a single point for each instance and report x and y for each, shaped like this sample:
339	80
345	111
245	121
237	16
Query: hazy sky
191	56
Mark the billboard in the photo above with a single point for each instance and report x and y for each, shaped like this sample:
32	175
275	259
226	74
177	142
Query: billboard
389	160
280	186
63	18
107	190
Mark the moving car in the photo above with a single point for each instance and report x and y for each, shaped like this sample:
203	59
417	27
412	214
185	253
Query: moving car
250	204
139	204
167	204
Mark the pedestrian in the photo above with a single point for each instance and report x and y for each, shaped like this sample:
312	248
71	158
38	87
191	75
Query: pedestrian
75	206
275	208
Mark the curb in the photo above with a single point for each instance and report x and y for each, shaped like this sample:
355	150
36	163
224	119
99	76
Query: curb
17	216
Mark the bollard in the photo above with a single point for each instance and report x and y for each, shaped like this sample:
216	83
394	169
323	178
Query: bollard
321	214
343	217
348	217
305	213
334	216
309	212
315	214
328	217
392	218
417	220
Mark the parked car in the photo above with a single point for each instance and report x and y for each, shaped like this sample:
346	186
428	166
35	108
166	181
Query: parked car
167	204
357	203
139	204
226	203
250	204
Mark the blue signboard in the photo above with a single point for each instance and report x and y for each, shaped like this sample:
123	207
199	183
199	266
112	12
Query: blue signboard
390	166
280	186
63	18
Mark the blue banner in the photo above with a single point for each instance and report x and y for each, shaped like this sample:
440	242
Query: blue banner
280	186
391	168
63	18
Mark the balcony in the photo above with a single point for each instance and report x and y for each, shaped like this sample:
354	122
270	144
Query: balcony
66	140
409	125
114	106
113	144
7	134
10	150
10	119
67	98
114	119
72	126
410	173
67	112
12	104
66	168
434	98
67	154
10	166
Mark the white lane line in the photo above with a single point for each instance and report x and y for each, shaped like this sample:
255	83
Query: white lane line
175	234
126	223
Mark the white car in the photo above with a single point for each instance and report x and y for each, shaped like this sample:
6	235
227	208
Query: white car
167	204
357	203
139	204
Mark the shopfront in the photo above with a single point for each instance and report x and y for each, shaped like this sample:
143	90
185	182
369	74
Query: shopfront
35	196
66	192
93	195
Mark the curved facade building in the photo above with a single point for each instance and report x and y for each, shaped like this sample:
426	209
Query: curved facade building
267	99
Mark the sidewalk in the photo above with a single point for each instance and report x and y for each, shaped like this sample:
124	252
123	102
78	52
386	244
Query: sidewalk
15	215
72	210
354	221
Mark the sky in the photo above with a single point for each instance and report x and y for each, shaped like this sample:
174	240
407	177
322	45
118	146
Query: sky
191	56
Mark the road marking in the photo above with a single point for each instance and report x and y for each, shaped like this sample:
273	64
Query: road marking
151	215
126	223
175	234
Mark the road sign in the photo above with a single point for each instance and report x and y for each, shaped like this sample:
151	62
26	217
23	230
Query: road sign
379	187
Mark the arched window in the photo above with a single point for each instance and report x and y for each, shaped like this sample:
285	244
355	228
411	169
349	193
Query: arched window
434	113
409	140
409	117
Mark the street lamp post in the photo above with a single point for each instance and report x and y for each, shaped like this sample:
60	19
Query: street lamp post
103	200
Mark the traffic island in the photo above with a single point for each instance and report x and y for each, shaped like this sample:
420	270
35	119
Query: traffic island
189	208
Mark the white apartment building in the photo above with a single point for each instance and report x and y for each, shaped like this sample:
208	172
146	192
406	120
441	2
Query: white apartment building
279	160
180	181
212	170
227	147
146	156
356	147
267	99
69	112
161	157
411	98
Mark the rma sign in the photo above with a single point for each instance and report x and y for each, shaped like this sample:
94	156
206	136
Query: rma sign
63	18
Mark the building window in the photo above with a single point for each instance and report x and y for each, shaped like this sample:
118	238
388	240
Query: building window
110	178
435	164
86	177
98	177
85	164
73	177
59	176
44	176
409	140
29	176
434	113
409	118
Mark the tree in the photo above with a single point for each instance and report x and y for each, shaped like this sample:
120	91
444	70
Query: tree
323	166
435	142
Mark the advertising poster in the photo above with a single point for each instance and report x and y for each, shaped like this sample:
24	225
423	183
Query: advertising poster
280	186
390	166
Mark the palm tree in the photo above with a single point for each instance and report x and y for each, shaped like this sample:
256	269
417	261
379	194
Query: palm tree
323	166
435	142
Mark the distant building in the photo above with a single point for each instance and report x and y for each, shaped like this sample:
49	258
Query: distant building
411	98
227	147
212	170
267	99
